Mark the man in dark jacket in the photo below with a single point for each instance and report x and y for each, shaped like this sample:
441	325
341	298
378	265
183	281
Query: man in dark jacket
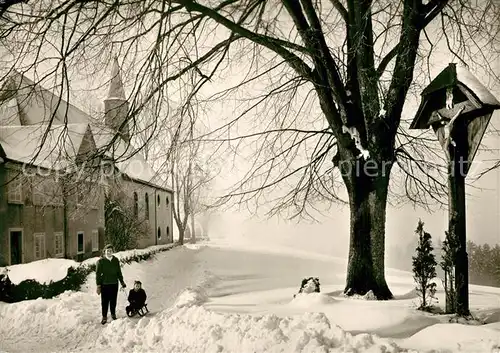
108	274
136	297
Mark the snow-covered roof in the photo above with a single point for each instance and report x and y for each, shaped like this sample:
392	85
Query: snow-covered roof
462	82
454	74
59	150
25	110
30	103
465	77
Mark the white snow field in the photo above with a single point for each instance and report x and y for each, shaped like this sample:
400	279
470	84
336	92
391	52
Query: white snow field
227	298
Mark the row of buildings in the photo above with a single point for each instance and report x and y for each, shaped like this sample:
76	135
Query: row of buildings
59	168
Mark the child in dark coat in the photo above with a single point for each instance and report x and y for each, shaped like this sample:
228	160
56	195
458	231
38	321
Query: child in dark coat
136	297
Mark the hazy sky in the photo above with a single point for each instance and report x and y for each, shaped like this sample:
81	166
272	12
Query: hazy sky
331	233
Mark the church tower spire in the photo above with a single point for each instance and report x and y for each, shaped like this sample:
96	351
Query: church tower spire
116	105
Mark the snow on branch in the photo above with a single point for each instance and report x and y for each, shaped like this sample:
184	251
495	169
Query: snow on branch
357	140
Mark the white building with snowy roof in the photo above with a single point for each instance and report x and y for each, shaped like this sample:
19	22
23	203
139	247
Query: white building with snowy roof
52	180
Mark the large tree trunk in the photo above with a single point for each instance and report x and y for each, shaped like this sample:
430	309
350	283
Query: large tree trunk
368	201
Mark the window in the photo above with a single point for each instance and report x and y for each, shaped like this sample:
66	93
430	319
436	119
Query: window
136	205
38	191
39	245
168	231
159	233
80	248
167	201
95	240
58	244
15	187
158	199
146	201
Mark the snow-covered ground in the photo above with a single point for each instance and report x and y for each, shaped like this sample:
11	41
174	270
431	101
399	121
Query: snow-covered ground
225	298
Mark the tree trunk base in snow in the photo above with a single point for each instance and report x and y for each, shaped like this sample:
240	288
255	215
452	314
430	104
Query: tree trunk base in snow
380	292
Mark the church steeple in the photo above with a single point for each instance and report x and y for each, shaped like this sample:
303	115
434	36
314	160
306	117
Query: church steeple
116	104
116	90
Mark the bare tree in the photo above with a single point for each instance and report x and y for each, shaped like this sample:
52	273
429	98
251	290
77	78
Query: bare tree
323	81
200	196
190	178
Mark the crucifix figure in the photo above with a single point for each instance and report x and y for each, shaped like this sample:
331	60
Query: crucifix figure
448	130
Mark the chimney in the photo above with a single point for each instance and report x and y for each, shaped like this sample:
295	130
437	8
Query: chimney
116	104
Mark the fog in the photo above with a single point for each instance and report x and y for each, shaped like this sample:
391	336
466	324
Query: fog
330	234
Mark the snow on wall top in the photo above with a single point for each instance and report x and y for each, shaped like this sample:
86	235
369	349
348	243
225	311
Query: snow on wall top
24	144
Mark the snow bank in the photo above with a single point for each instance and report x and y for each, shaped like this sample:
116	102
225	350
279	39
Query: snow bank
46	316
195	329
42	271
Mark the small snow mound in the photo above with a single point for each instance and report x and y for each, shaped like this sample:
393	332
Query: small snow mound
413	294
465	320
191	297
311	299
368	296
195	246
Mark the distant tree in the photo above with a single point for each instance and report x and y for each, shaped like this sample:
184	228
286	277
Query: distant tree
189	179
484	264
424	267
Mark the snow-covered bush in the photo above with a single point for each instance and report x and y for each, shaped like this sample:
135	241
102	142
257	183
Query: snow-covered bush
76	276
5	286
309	285
123	227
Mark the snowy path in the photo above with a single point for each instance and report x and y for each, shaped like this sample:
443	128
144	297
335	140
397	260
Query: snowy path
164	279
241	281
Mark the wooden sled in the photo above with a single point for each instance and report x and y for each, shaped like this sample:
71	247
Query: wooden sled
141	312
